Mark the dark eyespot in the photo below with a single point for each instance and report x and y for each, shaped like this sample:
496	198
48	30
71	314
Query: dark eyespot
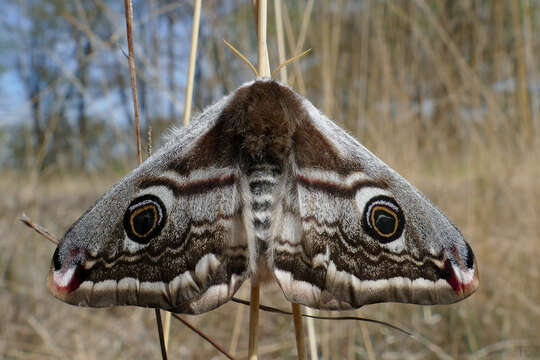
144	218
383	219
385	222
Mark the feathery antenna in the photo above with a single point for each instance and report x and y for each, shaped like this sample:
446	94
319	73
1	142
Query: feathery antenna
241	56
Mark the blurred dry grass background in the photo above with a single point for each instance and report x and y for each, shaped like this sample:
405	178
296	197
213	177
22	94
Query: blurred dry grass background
446	92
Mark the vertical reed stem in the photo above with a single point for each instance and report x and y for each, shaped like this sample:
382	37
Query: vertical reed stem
129	29
264	64
298	331
192	58
254	320
281	40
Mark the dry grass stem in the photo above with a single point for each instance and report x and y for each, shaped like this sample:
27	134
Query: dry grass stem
297	79
254	320
238	318
334	318
312	336
306	18
298	330
47	338
38	228
367	342
192	59
280	40
166	330
262	58
129	30
162	344
204	336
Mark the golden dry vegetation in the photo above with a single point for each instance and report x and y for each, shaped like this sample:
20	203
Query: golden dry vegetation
448	95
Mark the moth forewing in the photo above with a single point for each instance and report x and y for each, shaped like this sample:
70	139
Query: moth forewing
262	182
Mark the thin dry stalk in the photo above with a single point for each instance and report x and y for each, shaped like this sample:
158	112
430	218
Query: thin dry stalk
499	347
295	47
150	65
162	344
67	72
528	36
111	42
38	228
166	330
204	336
236	330
47	138
299	331
367	342
335	40
129	29
312	336
521	75
469	76
253	320
281	41
263	62
304	27
351	334
333	318
297	76
434	348
192	59
272	348
46	337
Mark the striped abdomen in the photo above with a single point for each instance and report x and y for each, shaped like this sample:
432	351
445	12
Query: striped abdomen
262	180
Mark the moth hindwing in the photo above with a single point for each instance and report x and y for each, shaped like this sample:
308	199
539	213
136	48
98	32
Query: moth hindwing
262	183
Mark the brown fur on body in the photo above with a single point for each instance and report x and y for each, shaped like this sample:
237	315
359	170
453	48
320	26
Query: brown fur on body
263	123
261	119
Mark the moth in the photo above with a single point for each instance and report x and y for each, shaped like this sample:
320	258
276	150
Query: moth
262	184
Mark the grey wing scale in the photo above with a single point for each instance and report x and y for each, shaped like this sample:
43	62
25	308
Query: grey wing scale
195	263
327	257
